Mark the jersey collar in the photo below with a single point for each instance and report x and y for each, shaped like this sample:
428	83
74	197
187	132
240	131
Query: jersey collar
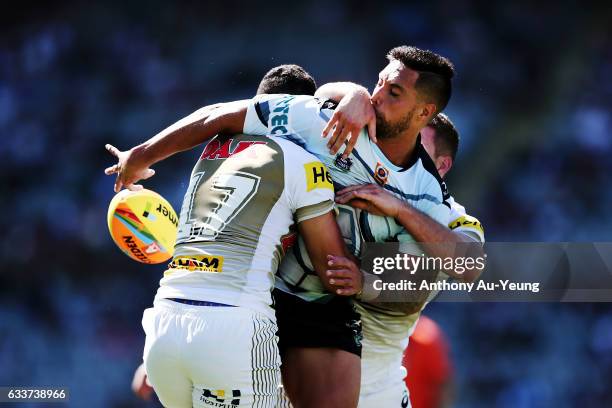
386	162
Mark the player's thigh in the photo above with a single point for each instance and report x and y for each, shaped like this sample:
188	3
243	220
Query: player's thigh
161	359
322	339
234	360
321	377
394	395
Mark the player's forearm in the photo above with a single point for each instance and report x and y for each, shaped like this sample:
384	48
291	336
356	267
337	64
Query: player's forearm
191	131
318	247
444	243
331	243
338	90
422	227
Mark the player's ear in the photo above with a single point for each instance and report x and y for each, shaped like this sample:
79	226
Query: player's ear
428	110
425	112
444	164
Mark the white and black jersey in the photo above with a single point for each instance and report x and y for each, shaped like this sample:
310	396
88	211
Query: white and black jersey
301	119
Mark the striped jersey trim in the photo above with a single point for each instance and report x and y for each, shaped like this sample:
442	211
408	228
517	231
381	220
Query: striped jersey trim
265	364
313	210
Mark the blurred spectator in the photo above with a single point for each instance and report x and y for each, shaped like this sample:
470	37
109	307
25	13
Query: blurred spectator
430	369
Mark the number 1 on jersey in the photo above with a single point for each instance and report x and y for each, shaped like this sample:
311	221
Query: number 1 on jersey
236	190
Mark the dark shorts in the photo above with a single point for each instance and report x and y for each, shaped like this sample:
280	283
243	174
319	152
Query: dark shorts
335	324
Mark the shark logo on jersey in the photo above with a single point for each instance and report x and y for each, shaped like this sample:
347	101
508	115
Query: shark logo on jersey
343	164
381	174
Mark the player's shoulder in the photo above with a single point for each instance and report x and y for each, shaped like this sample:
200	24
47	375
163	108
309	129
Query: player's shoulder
294	153
458	211
461	221
304	167
270	106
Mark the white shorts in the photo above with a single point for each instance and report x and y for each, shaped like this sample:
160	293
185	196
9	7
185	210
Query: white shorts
283	399
391	396
382	381
205	356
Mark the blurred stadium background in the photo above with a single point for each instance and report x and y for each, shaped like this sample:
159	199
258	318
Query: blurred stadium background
532	100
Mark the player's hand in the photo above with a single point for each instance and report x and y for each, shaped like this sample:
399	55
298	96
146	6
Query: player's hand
371	198
140	385
354	112
344	275
129	169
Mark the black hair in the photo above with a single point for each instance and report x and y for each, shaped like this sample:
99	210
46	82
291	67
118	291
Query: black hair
435	72
287	79
446	139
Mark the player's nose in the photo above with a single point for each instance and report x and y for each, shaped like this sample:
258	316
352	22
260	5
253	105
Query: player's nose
376	97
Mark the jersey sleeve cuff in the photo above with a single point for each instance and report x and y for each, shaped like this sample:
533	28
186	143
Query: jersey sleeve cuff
314	210
254	121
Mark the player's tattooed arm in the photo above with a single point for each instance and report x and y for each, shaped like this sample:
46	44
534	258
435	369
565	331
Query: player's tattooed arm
354	112
441	241
134	164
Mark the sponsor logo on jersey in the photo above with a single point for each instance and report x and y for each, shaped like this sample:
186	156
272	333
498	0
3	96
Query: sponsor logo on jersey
279	117
317	176
219	398
466	221
381	174
343	164
215	150
198	263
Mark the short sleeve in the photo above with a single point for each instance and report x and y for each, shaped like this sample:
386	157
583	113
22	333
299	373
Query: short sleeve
309	184
256	120
460	221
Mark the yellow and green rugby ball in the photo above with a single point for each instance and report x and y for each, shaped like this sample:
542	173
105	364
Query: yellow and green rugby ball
143	225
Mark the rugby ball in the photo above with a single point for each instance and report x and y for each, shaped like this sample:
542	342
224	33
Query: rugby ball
143	225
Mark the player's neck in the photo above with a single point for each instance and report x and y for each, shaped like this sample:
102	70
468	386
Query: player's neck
400	149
